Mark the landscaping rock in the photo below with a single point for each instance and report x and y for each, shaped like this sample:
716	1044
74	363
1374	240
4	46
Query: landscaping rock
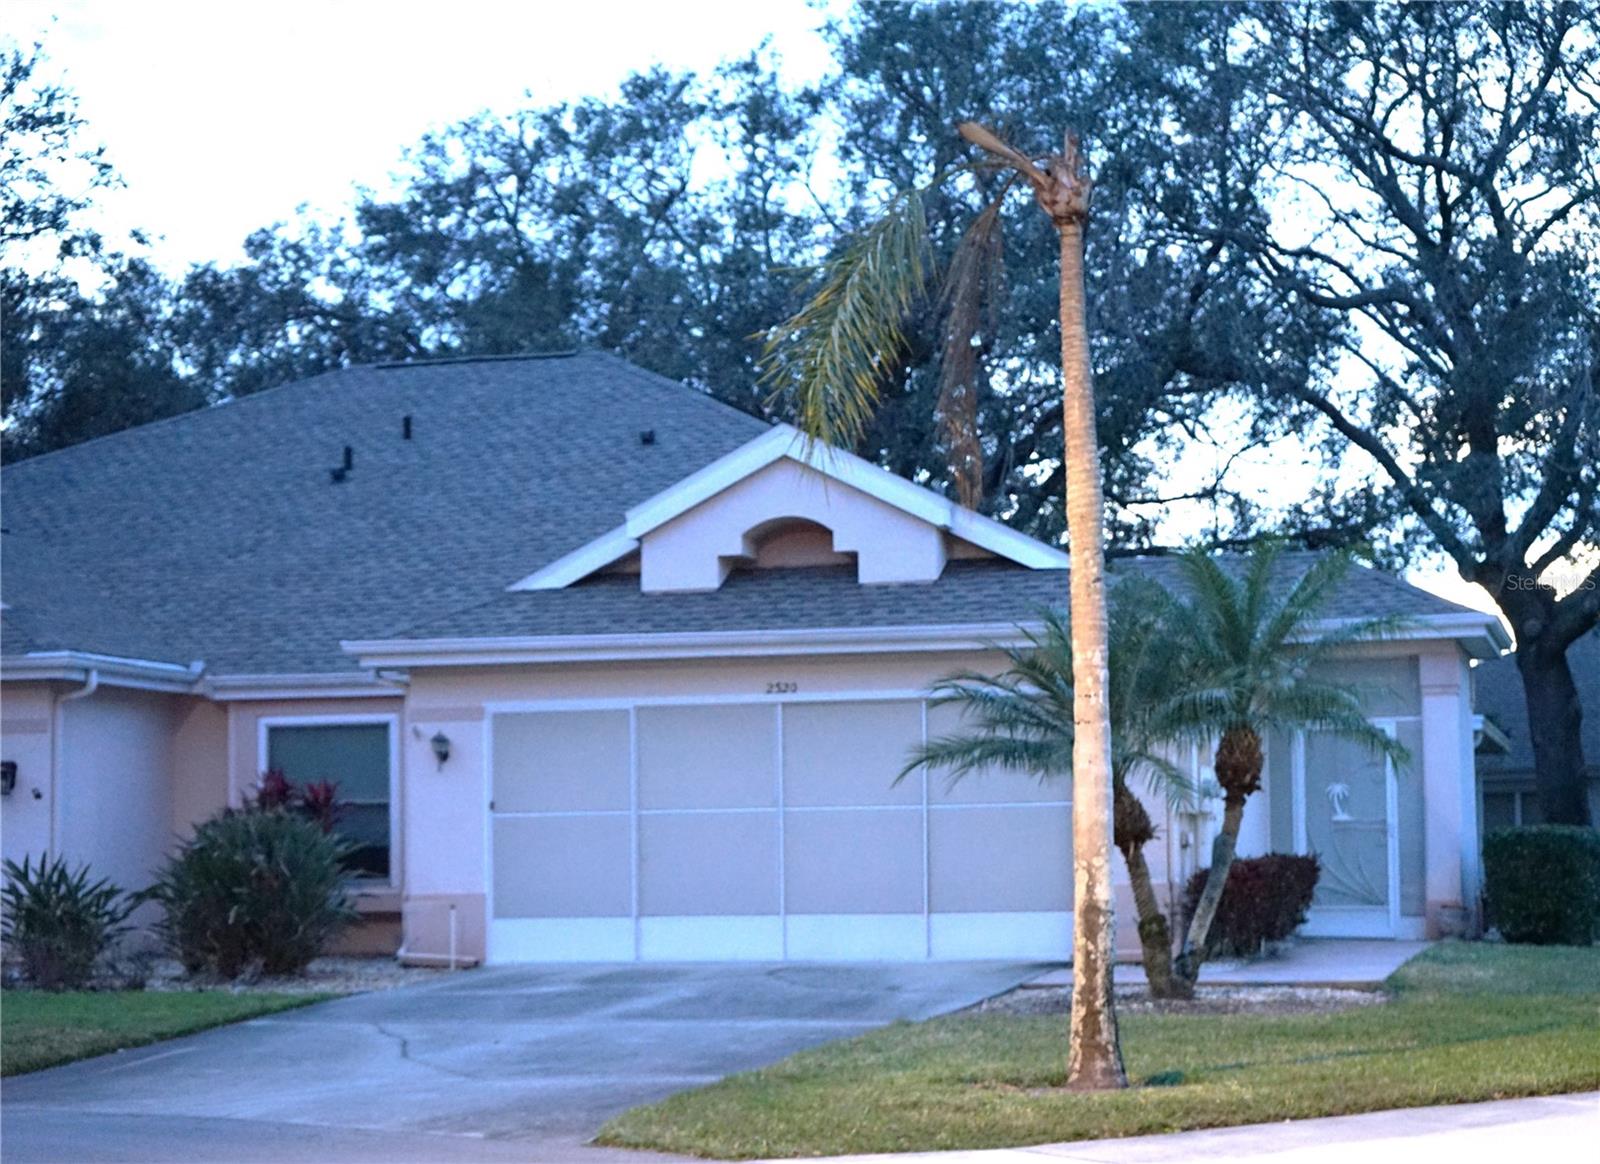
1266	1000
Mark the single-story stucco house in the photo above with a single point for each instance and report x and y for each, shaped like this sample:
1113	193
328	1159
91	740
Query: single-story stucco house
611	671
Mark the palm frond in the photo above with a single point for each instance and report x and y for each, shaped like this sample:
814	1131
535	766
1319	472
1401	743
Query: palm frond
1305	600
958	755
1335	709
826	364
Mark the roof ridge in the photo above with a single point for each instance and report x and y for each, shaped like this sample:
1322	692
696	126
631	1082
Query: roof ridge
191	414
435	361
659	380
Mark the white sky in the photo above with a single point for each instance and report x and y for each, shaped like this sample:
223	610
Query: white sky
225	116
228	115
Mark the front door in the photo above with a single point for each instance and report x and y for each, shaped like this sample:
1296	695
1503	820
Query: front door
1348	805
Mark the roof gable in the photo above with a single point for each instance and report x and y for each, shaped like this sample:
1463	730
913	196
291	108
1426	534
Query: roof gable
858	487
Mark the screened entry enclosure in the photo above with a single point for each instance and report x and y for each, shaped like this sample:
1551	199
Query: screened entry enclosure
1360	813
763	830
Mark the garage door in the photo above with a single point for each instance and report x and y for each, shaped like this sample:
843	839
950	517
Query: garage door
771	830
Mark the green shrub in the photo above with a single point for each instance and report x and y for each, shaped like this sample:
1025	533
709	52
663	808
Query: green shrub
253	888
58	922
1542	884
1264	900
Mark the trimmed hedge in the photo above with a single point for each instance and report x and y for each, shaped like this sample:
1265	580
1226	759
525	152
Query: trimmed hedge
1542	884
1265	900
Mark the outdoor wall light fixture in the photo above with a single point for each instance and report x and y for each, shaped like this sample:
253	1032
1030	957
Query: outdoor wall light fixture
8	777
441	748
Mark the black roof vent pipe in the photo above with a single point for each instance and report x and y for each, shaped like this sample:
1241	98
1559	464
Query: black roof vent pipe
338	475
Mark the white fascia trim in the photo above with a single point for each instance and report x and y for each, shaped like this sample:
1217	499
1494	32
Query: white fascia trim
112	670
448	652
1483	636
315	685
1487	738
701	485
693	645
583	561
787	441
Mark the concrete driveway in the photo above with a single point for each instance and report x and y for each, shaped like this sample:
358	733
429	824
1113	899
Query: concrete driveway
510	1063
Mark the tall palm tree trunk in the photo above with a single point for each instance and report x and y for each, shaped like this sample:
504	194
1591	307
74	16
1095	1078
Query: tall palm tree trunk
1095	1062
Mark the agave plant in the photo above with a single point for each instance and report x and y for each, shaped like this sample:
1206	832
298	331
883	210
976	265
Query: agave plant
1022	720
59	921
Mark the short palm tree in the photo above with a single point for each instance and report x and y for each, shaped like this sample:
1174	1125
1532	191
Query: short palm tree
1253	641
1021	720
829	360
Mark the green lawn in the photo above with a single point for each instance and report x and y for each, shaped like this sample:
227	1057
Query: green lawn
39	1030
1466	1022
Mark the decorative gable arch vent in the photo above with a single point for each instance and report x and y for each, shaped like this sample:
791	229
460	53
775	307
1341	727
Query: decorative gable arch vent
788	543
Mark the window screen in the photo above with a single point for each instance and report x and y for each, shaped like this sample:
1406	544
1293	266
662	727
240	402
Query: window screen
355	758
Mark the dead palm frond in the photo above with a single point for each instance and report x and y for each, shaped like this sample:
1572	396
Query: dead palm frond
972	284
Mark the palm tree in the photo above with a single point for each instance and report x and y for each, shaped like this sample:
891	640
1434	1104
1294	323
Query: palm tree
1255	643
1021	720
829	359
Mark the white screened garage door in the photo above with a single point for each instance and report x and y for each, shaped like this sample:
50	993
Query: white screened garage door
765	831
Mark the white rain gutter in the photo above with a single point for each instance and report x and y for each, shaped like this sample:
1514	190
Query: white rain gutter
113	670
317	685
682	645
58	749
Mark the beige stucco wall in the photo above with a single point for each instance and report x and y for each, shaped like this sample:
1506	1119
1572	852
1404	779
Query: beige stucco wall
27	737
114	793
199	765
92	776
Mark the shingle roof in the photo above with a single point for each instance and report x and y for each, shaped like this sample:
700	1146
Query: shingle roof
218	536
967	593
1497	690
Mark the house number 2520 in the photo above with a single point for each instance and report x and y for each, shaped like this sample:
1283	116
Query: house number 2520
782	687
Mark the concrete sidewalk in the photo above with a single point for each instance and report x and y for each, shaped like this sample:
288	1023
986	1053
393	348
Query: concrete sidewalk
1557	1128
1335	962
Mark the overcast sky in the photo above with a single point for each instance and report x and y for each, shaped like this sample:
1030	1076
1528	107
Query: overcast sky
226	116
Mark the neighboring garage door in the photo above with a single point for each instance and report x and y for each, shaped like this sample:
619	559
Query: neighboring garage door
764	830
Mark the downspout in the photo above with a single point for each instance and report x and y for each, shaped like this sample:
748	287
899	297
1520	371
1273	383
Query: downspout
91	684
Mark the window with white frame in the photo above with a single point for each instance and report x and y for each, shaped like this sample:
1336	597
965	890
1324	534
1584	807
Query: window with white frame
355	757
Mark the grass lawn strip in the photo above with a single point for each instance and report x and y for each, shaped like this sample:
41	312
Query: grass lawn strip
39	1029
1467	1022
